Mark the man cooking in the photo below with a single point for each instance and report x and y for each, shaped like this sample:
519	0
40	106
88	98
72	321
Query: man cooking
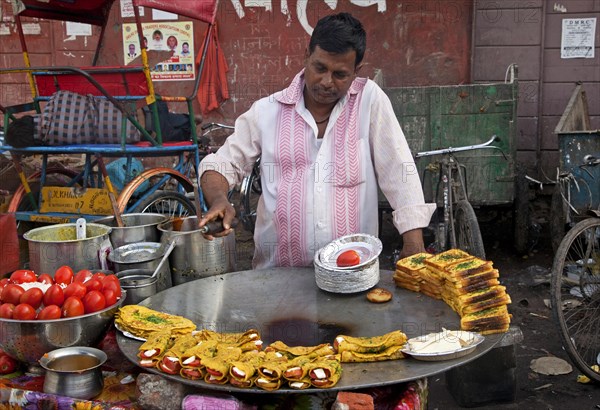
325	142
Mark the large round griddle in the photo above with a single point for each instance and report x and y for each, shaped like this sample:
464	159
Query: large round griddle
285	304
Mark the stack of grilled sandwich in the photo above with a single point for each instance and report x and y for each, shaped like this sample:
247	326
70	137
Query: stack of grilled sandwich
469	285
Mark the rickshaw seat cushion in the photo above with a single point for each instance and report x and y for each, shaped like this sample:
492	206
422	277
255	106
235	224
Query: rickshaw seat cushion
71	118
116	84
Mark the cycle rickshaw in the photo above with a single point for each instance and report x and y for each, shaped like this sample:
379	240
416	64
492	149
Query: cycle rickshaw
89	192
575	284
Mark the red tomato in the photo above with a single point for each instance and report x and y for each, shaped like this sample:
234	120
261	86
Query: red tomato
11	294
49	312
32	297
3	283
94	301
75	289
64	274
54	296
93	284
112	285
99	275
72	307
6	310
348	258
83	275
110	296
45	278
7	364
23	276
23	311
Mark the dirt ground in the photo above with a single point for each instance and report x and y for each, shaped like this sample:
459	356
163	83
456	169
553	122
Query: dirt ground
527	281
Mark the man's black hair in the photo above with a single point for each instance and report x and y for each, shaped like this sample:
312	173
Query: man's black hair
20	132
339	33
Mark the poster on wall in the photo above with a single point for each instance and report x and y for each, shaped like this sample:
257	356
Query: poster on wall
176	37
577	39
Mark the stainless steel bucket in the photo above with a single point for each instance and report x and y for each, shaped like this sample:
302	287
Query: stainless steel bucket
143	255
53	246
139	284
139	227
195	257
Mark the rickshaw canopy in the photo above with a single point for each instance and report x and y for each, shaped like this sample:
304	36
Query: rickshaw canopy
96	11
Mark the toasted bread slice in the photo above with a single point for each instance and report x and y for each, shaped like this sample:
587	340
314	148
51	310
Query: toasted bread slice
482	294
485	304
413	263
496	315
472	287
490	329
462	282
446	258
467	268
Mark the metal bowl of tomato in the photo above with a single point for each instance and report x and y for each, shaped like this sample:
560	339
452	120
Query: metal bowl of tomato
80	322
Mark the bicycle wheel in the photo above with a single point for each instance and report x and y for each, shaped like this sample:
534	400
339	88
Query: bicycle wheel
468	235
250	192
576	294
170	203
172	177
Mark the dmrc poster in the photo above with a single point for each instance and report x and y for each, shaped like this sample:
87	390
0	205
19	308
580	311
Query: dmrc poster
176	37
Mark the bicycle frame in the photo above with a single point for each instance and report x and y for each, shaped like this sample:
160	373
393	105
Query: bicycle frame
452	177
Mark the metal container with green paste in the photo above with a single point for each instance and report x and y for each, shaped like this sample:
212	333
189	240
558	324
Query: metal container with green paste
56	245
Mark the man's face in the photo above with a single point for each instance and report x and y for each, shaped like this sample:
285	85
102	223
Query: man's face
185	48
328	76
131	48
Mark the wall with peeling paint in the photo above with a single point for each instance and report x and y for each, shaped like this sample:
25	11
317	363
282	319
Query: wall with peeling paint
409	43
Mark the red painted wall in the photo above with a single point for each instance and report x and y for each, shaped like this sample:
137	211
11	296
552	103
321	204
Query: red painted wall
409	43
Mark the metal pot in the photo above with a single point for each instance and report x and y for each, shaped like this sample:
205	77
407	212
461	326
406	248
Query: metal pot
74	372
139	227
194	256
143	255
139	284
53	246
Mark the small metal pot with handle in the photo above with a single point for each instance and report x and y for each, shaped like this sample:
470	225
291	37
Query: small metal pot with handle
74	371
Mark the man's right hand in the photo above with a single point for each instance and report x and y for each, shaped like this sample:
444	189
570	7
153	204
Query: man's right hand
215	188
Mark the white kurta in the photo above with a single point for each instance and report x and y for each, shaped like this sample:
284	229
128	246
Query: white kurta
316	190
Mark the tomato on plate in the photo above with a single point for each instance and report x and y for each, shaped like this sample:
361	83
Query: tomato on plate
94	301
45	278
23	276
72	307
11	294
83	276
6	310
32	297
348	258
54	295
75	289
24	311
64	274
49	312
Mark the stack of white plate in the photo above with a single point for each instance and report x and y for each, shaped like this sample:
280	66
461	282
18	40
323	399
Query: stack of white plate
351	279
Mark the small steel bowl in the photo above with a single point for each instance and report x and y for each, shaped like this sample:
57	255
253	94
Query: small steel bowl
74	372
28	340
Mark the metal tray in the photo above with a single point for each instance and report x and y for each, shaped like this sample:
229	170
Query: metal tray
286	304
447	355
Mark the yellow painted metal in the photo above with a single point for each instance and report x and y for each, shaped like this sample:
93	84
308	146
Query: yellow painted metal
49	219
92	201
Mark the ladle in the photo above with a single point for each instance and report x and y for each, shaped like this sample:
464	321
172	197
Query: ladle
164	258
80	228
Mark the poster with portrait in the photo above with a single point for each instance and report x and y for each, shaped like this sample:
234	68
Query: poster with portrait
174	36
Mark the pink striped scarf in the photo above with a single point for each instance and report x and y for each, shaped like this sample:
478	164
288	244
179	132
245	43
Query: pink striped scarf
293	139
